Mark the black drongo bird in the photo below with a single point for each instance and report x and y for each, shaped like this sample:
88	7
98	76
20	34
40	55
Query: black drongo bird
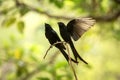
75	29
52	37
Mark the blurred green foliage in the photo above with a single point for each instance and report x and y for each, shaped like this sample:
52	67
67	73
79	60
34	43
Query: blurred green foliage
23	44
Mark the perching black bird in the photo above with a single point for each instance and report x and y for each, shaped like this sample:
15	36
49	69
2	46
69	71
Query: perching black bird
52	37
75	29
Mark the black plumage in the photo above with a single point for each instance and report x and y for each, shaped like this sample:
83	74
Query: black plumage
75	29
52	37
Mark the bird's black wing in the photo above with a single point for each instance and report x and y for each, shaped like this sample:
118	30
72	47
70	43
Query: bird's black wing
77	27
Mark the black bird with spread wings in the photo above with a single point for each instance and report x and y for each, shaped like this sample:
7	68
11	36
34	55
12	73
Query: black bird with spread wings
75	29
52	37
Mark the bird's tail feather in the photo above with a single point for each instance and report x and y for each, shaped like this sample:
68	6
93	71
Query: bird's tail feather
66	56
75	53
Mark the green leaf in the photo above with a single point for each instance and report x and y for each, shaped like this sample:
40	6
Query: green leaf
58	3
20	26
9	22
23	10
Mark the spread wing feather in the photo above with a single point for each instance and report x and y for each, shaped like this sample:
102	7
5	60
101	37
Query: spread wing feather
77	27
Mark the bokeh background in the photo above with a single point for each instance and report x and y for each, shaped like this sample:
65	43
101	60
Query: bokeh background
23	43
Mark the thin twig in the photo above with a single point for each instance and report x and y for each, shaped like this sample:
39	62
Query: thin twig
70	62
61	42
47	51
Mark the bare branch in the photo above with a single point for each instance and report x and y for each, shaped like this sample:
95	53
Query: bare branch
70	62
108	17
61	42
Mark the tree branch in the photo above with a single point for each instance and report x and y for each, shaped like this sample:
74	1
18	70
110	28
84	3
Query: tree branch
103	18
108	17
